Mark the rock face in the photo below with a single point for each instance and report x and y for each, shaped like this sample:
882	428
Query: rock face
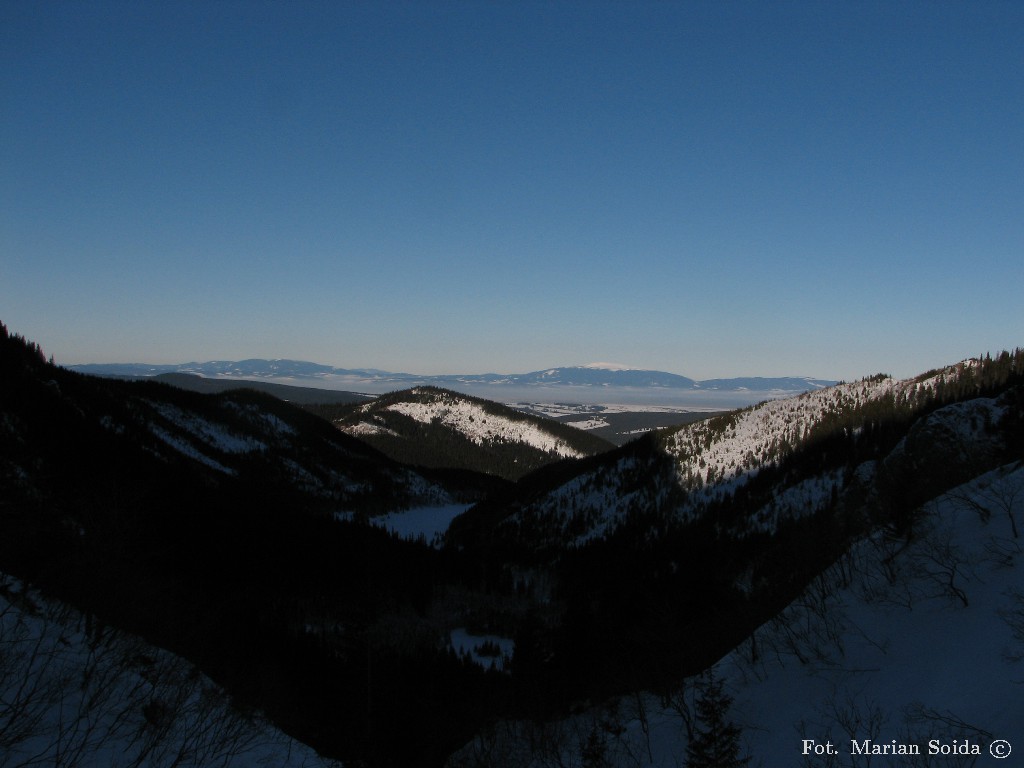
945	448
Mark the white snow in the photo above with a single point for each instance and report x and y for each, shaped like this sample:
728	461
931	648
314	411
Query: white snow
482	427
367	428
217	436
879	647
187	449
588	424
256	415
903	646
588	506
800	500
429	522
758	432
91	697
716	456
463	642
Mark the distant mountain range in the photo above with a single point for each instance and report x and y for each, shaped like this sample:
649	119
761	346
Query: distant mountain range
593	375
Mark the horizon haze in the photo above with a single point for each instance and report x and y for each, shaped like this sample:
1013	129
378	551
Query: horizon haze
596	383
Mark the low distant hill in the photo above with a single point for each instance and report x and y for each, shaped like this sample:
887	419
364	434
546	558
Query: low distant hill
288	392
580	376
767	384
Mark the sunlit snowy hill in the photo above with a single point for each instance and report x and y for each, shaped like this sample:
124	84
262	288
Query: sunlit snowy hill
434	427
675	474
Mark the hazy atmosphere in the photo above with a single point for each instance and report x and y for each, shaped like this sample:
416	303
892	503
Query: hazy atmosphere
712	189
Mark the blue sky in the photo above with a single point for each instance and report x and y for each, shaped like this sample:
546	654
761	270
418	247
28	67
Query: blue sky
828	189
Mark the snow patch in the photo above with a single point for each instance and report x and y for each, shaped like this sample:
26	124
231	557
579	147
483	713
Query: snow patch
364	428
486	651
216	436
187	449
588	424
481	427
429	522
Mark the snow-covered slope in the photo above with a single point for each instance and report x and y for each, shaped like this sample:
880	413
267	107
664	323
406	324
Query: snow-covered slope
917	647
232	432
911	644
76	694
712	458
481	426
214	439
733	445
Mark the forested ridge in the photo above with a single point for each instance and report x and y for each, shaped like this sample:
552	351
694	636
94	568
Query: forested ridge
433	427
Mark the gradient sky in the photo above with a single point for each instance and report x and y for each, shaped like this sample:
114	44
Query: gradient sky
828	189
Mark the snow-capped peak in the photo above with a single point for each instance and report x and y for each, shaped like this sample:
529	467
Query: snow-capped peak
607	367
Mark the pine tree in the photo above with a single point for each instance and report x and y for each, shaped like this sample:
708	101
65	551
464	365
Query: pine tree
716	740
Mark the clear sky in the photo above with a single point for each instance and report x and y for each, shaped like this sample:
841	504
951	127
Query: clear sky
816	188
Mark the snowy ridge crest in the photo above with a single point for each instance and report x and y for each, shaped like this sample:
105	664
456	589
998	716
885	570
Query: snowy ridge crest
706	461
480	426
733	445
